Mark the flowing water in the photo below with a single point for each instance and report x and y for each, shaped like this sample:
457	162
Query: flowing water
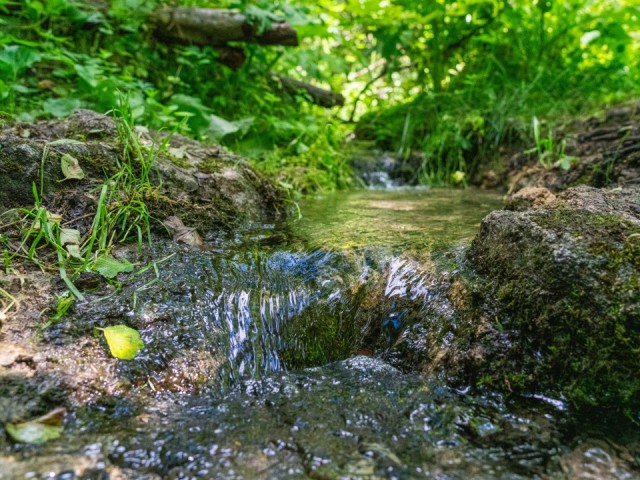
269	352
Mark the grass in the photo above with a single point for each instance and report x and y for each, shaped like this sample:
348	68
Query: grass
9	305
121	215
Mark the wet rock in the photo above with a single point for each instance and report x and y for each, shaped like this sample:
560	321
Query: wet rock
529	197
558	292
358	418
599	459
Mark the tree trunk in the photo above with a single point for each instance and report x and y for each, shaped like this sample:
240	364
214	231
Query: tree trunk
317	95
214	27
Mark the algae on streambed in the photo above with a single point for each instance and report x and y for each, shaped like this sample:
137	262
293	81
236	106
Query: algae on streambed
417	219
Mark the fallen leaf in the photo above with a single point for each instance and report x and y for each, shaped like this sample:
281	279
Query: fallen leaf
69	236
183	234
124	342
71	167
39	430
109	267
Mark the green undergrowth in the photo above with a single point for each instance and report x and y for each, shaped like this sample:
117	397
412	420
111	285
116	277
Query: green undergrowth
58	56
457	82
43	238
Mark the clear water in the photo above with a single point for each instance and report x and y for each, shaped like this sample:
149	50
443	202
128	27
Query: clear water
420	219
274	312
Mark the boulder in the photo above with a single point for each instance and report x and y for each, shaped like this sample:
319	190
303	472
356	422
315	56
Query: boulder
558	293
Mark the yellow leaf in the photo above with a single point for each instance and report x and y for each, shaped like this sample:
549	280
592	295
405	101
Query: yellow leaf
71	167
124	342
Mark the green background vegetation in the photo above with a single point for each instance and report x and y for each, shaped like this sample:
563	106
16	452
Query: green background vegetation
453	81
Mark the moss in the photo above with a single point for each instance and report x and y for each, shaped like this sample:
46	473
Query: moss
569	295
179	162
210	165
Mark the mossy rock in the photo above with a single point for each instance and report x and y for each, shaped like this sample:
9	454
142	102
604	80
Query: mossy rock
204	185
561	285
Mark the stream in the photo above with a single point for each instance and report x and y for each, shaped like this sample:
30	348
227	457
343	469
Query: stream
273	353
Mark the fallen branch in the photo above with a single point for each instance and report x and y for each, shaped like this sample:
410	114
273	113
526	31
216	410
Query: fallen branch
319	96
214	27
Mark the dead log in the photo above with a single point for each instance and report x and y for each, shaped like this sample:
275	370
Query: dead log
317	95
213	27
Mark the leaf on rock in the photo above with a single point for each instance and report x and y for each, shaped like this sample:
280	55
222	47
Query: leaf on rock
124	342
109	267
39	430
71	168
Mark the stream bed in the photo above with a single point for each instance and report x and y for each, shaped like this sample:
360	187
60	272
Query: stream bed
270	354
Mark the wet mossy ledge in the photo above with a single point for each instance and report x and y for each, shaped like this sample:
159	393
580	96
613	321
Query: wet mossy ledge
206	186
553	304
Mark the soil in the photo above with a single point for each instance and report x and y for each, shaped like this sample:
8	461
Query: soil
605	151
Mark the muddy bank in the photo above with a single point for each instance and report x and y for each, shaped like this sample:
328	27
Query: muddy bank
600	151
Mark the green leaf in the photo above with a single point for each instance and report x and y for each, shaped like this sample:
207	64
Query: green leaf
109	267
15	58
61	107
69	236
124	342
71	167
220	128
40	430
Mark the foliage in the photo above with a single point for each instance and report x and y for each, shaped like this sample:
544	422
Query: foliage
39	430
546	148
452	79
121	215
124	342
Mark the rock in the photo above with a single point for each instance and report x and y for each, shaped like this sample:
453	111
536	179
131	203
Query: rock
560	286
9	354
358	418
529	197
203	185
